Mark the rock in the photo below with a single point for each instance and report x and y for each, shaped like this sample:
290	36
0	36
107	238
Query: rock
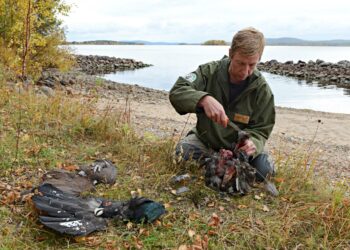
103	64
47	91
321	72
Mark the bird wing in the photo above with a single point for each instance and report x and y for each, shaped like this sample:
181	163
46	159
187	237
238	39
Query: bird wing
74	226
66	213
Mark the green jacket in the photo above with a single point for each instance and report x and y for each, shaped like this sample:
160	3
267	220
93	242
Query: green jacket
253	110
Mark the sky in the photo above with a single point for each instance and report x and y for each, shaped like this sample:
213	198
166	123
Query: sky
196	21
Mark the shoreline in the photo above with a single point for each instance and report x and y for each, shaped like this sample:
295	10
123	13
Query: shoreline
78	77
318	134
323	135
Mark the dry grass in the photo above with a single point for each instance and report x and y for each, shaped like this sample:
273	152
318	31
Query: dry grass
51	132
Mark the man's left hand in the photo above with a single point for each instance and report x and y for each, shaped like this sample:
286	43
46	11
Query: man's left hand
248	147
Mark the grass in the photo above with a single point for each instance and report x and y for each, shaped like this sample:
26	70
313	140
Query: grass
39	133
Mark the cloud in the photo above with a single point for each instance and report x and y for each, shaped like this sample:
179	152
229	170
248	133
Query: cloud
177	20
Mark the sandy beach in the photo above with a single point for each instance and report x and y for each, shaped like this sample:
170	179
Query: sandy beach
318	135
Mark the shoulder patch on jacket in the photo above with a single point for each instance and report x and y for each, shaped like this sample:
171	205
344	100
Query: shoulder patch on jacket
191	77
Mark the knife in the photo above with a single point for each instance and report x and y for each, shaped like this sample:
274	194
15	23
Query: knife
233	125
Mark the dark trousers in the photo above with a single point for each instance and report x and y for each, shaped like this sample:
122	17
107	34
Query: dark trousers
191	148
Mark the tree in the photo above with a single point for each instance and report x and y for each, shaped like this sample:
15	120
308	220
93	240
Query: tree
215	42
30	35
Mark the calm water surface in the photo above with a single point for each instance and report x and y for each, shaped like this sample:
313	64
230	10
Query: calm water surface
172	61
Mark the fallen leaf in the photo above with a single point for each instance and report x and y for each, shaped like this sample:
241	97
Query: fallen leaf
70	167
143	231
214	220
346	202
191	233
129	225
167	205
157	223
11	197
25	138
111	245
27	184
200	243
259	222
194	216
284	199
183	247
211	204
242	206
279	180
2	185
221	208
126	245
168	225
265	209
91	241
212	232
234	228
257	197
80	239
40	238
138	242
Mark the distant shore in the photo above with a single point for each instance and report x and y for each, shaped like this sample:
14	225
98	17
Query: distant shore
285	41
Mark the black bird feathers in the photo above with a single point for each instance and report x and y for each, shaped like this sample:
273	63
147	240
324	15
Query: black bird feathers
73	215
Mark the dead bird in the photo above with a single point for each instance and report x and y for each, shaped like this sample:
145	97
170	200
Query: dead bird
69	182
230	171
100	171
68	214
83	179
225	172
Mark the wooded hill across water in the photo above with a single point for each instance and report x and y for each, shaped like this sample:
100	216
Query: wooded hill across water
284	41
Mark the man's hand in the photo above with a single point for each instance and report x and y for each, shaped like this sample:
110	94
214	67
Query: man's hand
213	110
248	147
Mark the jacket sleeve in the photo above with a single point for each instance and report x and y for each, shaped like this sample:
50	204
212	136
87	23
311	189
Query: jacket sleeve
189	89
264	119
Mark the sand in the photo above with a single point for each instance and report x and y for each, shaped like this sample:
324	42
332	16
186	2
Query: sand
317	135
322	136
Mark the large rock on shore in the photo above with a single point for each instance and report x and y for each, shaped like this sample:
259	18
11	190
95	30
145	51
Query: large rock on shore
319	71
86	69
104	64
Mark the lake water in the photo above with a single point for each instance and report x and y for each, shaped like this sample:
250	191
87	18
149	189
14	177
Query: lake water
169	62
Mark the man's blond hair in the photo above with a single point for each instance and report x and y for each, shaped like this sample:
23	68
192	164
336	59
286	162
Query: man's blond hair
248	41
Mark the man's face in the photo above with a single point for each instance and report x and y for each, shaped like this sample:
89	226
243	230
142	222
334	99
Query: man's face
241	66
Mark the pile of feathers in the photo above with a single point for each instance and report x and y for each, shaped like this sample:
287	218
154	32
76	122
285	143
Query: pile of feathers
229	171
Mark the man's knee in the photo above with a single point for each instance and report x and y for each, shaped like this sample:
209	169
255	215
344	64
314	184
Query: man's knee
264	166
186	151
190	148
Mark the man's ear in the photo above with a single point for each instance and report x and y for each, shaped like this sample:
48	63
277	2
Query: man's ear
230	54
